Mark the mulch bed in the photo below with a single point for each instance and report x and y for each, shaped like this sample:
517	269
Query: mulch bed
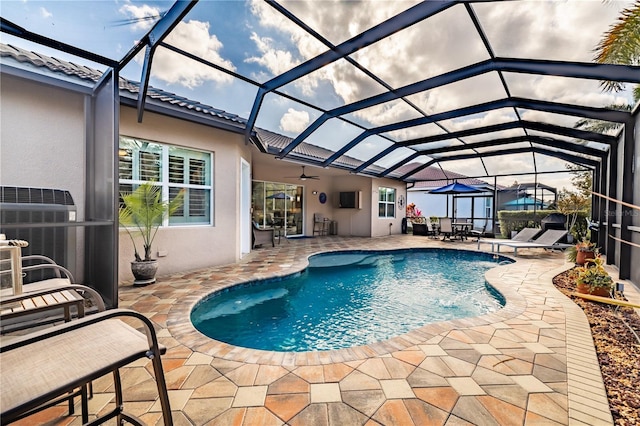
618	352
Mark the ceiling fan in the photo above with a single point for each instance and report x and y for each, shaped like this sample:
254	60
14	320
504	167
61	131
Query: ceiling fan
303	176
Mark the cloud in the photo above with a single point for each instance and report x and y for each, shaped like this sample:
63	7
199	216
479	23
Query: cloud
192	36
45	13
141	16
294	121
274	60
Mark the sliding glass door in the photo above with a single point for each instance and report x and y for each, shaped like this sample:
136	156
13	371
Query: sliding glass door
278	205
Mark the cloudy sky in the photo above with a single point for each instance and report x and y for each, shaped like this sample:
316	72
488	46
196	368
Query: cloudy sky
253	39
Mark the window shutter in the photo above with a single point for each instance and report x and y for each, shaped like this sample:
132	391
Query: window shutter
176	169
149	166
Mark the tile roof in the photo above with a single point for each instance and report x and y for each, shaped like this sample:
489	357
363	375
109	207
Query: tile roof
277	142
434	177
274	141
86	73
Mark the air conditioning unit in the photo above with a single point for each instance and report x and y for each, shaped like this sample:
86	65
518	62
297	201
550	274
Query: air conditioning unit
31	214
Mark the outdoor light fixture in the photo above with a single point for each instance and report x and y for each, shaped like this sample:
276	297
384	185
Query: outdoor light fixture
314	192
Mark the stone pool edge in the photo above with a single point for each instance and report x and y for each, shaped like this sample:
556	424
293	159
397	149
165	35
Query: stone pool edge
181	328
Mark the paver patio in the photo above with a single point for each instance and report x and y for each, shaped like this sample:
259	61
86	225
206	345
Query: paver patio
532	362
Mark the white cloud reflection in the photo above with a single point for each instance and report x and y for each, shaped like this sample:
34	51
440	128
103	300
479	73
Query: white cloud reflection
294	121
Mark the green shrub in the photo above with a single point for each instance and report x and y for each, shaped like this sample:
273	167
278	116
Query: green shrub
515	220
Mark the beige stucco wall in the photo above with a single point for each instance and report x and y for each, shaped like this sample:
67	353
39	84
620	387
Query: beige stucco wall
362	222
42	145
387	226
42	138
193	247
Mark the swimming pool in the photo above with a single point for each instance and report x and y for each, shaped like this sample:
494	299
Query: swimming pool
351	298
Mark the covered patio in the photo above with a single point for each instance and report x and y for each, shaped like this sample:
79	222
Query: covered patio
362	100
498	120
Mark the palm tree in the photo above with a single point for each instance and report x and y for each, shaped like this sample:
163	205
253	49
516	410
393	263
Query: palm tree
621	44
602	126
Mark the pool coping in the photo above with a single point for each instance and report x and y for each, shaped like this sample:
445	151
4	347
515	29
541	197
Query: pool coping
183	330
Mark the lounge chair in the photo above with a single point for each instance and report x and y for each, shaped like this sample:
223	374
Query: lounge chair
548	240
41	369
525	235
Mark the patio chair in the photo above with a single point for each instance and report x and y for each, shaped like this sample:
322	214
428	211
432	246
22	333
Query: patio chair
46	306
41	369
550	239
319	224
62	277
478	233
431	232
526	234
446	228
263	235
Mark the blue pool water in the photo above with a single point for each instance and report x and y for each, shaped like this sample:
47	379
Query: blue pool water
350	298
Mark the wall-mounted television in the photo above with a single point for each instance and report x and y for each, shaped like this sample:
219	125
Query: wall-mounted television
350	200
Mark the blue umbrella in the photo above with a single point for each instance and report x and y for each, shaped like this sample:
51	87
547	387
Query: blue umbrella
455	188
279	196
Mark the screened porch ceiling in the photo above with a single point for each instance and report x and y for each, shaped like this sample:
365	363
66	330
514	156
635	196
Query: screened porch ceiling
378	88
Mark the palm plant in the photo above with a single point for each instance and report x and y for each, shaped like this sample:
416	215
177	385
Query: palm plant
143	211
603	126
621	44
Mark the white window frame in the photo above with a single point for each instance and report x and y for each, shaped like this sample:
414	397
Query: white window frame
164	180
386	202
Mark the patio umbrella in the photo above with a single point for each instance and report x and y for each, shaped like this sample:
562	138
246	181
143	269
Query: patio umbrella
455	188
279	196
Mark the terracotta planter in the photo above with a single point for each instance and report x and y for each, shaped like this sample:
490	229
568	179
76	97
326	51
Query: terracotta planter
596	291
583	256
144	272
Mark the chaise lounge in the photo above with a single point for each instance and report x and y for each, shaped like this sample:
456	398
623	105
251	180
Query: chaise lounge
525	235
548	240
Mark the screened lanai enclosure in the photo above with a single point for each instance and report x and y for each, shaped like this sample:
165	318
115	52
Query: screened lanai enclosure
386	89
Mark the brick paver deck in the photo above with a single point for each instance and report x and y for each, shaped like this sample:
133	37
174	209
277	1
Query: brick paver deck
532	362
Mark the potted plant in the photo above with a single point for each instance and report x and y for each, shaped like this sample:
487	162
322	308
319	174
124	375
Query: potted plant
143	211
582	251
592	278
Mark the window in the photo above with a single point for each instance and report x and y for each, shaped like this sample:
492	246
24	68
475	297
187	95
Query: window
386	202
174	169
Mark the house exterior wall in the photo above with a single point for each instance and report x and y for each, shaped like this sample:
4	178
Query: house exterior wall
273	171
42	144
353	222
197	246
362	222
42	137
387	226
